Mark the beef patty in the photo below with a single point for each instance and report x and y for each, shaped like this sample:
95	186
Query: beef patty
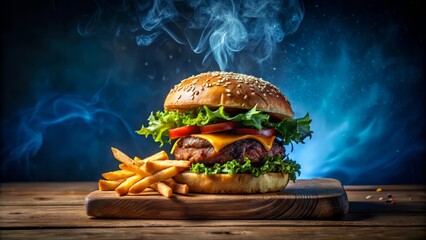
198	150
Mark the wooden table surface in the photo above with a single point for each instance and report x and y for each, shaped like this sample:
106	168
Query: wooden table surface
57	211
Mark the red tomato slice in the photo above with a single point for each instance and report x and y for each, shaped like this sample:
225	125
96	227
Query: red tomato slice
218	127
268	132
183	131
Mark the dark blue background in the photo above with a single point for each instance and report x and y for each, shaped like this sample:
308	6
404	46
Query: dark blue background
355	66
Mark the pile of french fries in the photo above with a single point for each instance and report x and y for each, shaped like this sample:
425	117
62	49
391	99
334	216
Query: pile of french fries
137	175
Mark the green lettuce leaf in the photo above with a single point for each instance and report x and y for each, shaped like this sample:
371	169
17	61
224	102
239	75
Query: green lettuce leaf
295	130
204	116
271	164
159	125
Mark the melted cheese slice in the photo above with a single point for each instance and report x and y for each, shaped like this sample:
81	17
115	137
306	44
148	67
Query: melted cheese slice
221	140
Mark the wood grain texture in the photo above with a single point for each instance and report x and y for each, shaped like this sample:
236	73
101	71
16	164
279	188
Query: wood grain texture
24	217
51	210
45	193
230	232
305	199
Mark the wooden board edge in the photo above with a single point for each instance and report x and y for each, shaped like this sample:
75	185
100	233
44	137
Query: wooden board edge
332	206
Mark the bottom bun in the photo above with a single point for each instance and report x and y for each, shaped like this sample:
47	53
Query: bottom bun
237	183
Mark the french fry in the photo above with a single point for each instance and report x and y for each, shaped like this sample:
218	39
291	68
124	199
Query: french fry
135	176
162	155
181	188
124	187
169	181
138	160
116	175
156	177
177	187
123	166
156	166
120	156
105	185
162	188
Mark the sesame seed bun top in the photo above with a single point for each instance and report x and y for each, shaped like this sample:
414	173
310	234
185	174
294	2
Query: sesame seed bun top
231	90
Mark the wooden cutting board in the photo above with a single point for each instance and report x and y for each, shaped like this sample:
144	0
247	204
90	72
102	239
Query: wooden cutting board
306	199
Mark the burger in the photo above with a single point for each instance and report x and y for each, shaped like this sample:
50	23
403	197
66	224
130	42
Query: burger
233	128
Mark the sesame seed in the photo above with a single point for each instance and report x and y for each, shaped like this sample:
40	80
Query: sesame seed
192	97
228	90
264	94
252	93
228	94
239	85
238	92
179	96
245	96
